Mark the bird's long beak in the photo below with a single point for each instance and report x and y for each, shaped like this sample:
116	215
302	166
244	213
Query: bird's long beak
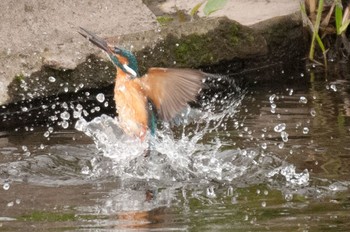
99	42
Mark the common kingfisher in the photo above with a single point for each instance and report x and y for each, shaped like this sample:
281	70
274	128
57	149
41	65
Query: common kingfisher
160	93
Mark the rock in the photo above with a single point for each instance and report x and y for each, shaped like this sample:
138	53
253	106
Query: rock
53	48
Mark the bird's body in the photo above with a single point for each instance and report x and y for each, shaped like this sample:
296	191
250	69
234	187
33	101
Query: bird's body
131	104
160	93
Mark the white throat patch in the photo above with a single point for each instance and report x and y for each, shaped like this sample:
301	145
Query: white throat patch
130	70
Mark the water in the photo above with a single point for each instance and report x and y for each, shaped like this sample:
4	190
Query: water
267	155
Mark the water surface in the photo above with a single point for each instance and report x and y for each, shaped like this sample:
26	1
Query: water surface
268	153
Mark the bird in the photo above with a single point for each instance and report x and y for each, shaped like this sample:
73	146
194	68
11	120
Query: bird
159	94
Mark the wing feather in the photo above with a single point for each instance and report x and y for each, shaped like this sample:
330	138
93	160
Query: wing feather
170	89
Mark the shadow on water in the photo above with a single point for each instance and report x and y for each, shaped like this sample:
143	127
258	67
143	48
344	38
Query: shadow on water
267	152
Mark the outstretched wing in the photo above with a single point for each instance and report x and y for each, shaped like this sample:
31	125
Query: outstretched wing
170	89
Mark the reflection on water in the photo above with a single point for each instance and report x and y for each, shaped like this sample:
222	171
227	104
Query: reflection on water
266	155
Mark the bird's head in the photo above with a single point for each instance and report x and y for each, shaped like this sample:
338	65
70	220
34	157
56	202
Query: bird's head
121	58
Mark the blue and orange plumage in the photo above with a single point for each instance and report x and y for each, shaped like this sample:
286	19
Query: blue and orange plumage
168	90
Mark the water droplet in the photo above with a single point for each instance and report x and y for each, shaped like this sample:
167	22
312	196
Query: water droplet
313	112
305	130
334	87
85	170
46	134
266	192
288	197
263	204
229	191
272	98
52	79
291	92
65	124
210	192
303	100
280	145
6	186
79	107
18	201
100	97
264	146
65	115
24	148
65	89
24	109
280	127
10	204
284	136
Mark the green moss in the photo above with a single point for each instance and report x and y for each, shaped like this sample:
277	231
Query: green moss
19	78
164	20
234	34
193	48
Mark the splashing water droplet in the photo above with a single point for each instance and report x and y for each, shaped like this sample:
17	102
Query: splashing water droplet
100	97
284	136
272	98
211	192
6	186
334	87
291	92
280	127
303	100
313	112
85	170
65	115
288	196
52	79
10	204
65	124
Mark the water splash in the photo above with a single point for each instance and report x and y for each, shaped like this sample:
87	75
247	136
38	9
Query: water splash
188	149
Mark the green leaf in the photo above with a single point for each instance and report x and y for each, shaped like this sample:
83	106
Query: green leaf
344	27
338	16
213	5
196	8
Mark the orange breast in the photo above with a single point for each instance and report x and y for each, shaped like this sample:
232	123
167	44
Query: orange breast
131	106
